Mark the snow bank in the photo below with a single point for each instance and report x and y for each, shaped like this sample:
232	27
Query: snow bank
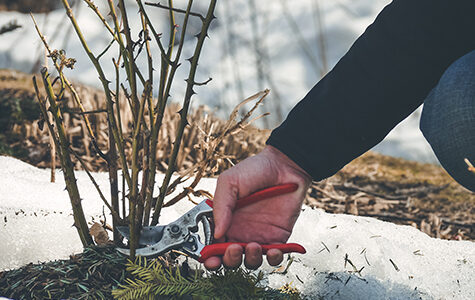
394	262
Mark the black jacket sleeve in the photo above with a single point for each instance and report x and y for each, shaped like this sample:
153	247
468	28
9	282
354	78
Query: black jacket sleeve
384	76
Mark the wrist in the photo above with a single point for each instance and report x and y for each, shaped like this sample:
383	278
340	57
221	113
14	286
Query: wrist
281	158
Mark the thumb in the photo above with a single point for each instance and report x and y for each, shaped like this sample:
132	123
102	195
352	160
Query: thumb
248	176
224	201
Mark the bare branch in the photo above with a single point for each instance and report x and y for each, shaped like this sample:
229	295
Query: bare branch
202	18
204	82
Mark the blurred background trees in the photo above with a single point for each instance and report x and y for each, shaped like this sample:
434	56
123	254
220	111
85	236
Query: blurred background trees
26	6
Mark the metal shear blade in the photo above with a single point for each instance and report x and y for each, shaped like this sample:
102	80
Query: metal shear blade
149	235
160	239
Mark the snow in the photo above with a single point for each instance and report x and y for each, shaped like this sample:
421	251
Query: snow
231	62
427	267
35	220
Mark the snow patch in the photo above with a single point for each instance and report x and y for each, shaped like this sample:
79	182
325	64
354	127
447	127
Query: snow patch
392	261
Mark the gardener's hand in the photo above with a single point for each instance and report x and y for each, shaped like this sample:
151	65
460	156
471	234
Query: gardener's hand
265	222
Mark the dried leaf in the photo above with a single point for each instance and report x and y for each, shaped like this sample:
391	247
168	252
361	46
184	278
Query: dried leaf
100	235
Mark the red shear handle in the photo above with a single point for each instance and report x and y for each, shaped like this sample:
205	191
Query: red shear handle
263	194
219	249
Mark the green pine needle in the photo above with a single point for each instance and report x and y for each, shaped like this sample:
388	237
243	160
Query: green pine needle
153	281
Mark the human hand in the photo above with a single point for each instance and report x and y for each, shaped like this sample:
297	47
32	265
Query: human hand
266	222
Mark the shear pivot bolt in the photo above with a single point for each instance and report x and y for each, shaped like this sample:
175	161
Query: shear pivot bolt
175	230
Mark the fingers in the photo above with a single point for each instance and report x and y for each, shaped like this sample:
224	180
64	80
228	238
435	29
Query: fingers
233	256
274	257
253	259
213	263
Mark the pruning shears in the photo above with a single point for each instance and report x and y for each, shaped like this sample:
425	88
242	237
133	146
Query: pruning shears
182	234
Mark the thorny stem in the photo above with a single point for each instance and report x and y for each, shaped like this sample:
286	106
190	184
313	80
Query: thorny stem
53	158
117	96
154	32
53	137
134	196
166	66
114	182
67	165
123	54
146	138
163	93
131	76
120	41
137	112
113	168
150	66
116	35
184	111
114	212
71	88
44	112
105	84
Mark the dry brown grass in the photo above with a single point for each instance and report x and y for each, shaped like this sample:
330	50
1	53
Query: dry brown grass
204	124
25	6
